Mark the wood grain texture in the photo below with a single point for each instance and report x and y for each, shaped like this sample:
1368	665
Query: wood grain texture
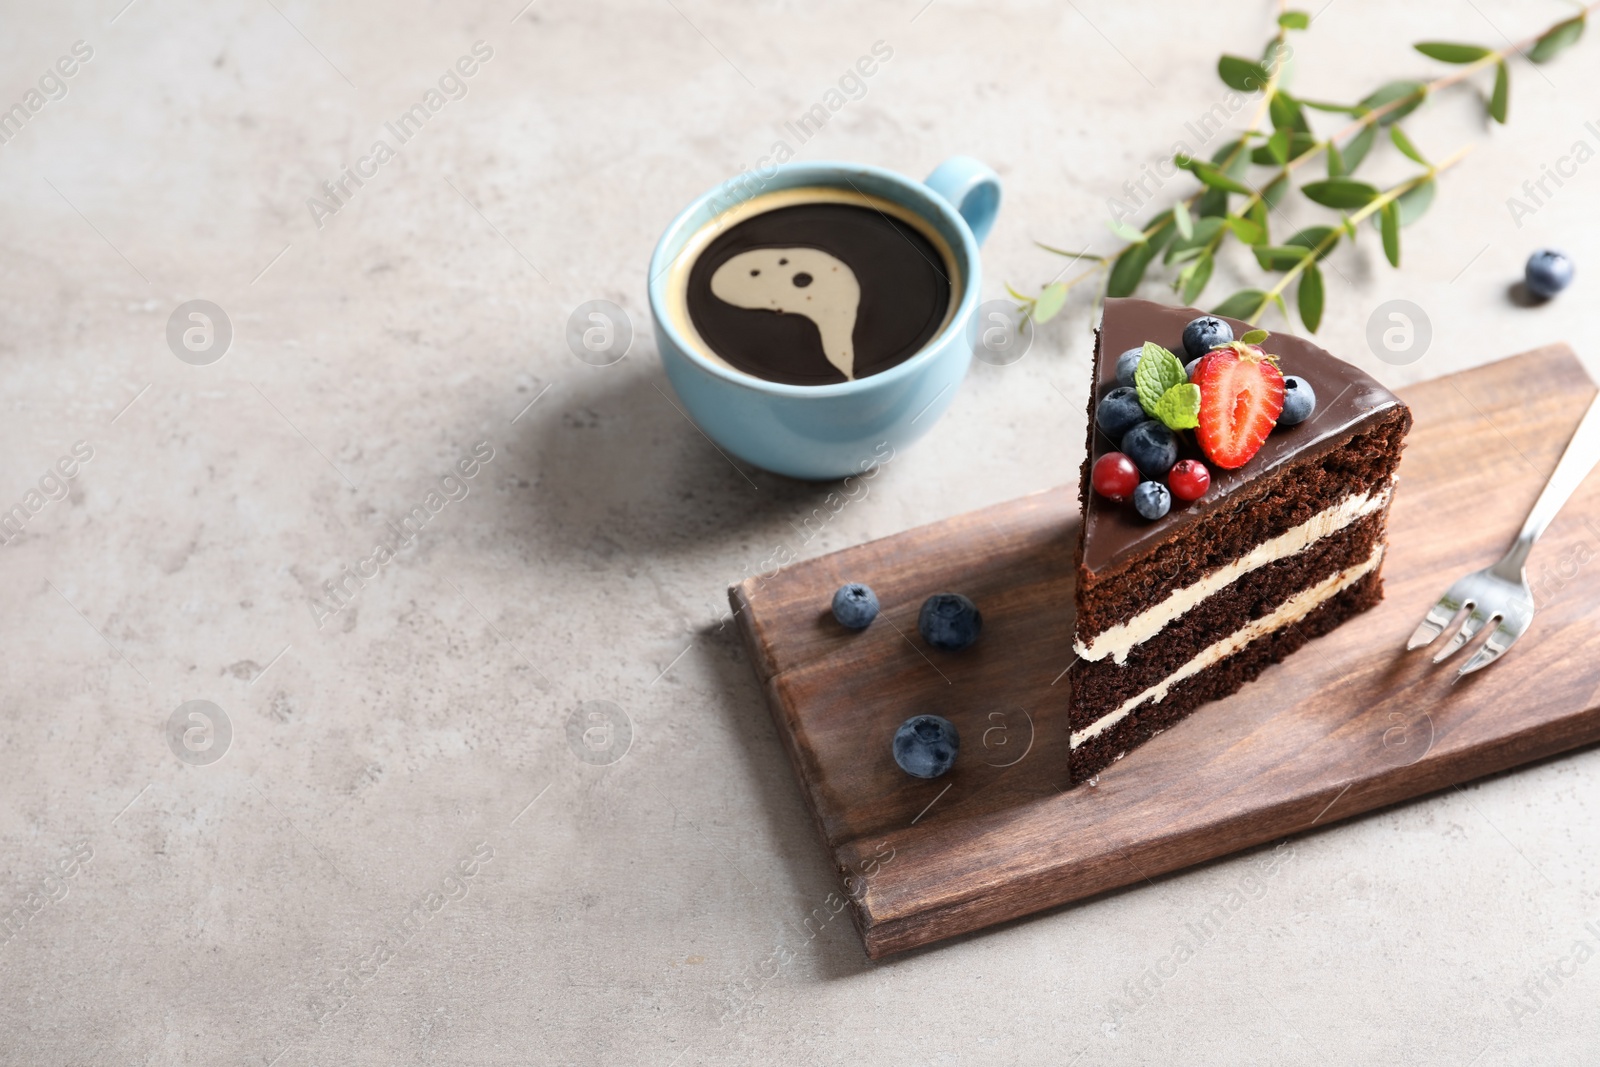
1349	724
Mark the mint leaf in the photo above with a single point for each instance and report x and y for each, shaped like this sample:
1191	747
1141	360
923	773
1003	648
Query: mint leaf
1158	371
1179	407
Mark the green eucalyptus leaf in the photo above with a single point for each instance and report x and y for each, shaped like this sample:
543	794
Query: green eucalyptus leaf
1245	304
1389	223
1341	193
1310	297
1126	232
1196	276
1213	203
1402	142
1018	296
1299	144
1242	74
1336	167
1128	270
1278	147
1184	249
1286	113
1050	302
1280	257
1312	237
1157	371
1183	220
1215	178
1412	92
1414	202
1258	215
1445	52
1502	93
1335	109
1179	406
1557	39
1247	230
1356	149
1273	194
1233	159
1294	20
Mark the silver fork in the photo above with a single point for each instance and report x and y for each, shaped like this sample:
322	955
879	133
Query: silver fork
1500	593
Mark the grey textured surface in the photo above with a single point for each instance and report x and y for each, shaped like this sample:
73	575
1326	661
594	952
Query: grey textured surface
650	911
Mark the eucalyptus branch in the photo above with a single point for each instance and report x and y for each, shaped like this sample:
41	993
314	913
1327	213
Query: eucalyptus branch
1191	233
1326	244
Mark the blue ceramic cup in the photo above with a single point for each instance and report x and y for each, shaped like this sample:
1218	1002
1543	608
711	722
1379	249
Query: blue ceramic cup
821	432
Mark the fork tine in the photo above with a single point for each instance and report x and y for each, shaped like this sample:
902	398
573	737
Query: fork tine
1469	629
1438	618
1504	637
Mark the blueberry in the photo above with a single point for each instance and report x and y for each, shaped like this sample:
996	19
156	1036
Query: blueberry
1299	400
926	745
1548	272
1188	368
1152	447
949	621
855	606
1118	411
1204	334
1127	363
1152	500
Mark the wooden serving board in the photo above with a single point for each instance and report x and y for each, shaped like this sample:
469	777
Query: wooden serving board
1349	724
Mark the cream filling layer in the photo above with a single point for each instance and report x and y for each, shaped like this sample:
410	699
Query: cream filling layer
1290	611
1120	639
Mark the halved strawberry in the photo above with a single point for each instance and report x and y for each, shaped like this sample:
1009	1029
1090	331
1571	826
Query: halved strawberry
1241	396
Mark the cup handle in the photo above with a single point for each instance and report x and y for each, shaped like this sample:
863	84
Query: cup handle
973	188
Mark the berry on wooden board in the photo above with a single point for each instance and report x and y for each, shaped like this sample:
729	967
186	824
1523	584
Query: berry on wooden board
925	746
855	606
949	621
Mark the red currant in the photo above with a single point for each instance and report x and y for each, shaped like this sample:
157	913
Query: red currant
1189	479
1115	477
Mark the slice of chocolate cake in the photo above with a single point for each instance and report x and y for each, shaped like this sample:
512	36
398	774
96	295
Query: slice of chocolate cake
1283	543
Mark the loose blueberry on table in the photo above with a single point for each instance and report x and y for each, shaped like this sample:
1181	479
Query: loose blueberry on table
855	606
1547	273
925	746
949	621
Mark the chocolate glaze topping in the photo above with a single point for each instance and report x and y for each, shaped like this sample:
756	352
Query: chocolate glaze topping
1346	397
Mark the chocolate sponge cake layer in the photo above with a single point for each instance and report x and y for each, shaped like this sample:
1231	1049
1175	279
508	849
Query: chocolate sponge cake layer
1104	683
1094	755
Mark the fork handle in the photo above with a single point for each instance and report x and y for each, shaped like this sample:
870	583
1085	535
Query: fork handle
1580	457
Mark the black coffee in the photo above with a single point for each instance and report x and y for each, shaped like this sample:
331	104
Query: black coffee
817	293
